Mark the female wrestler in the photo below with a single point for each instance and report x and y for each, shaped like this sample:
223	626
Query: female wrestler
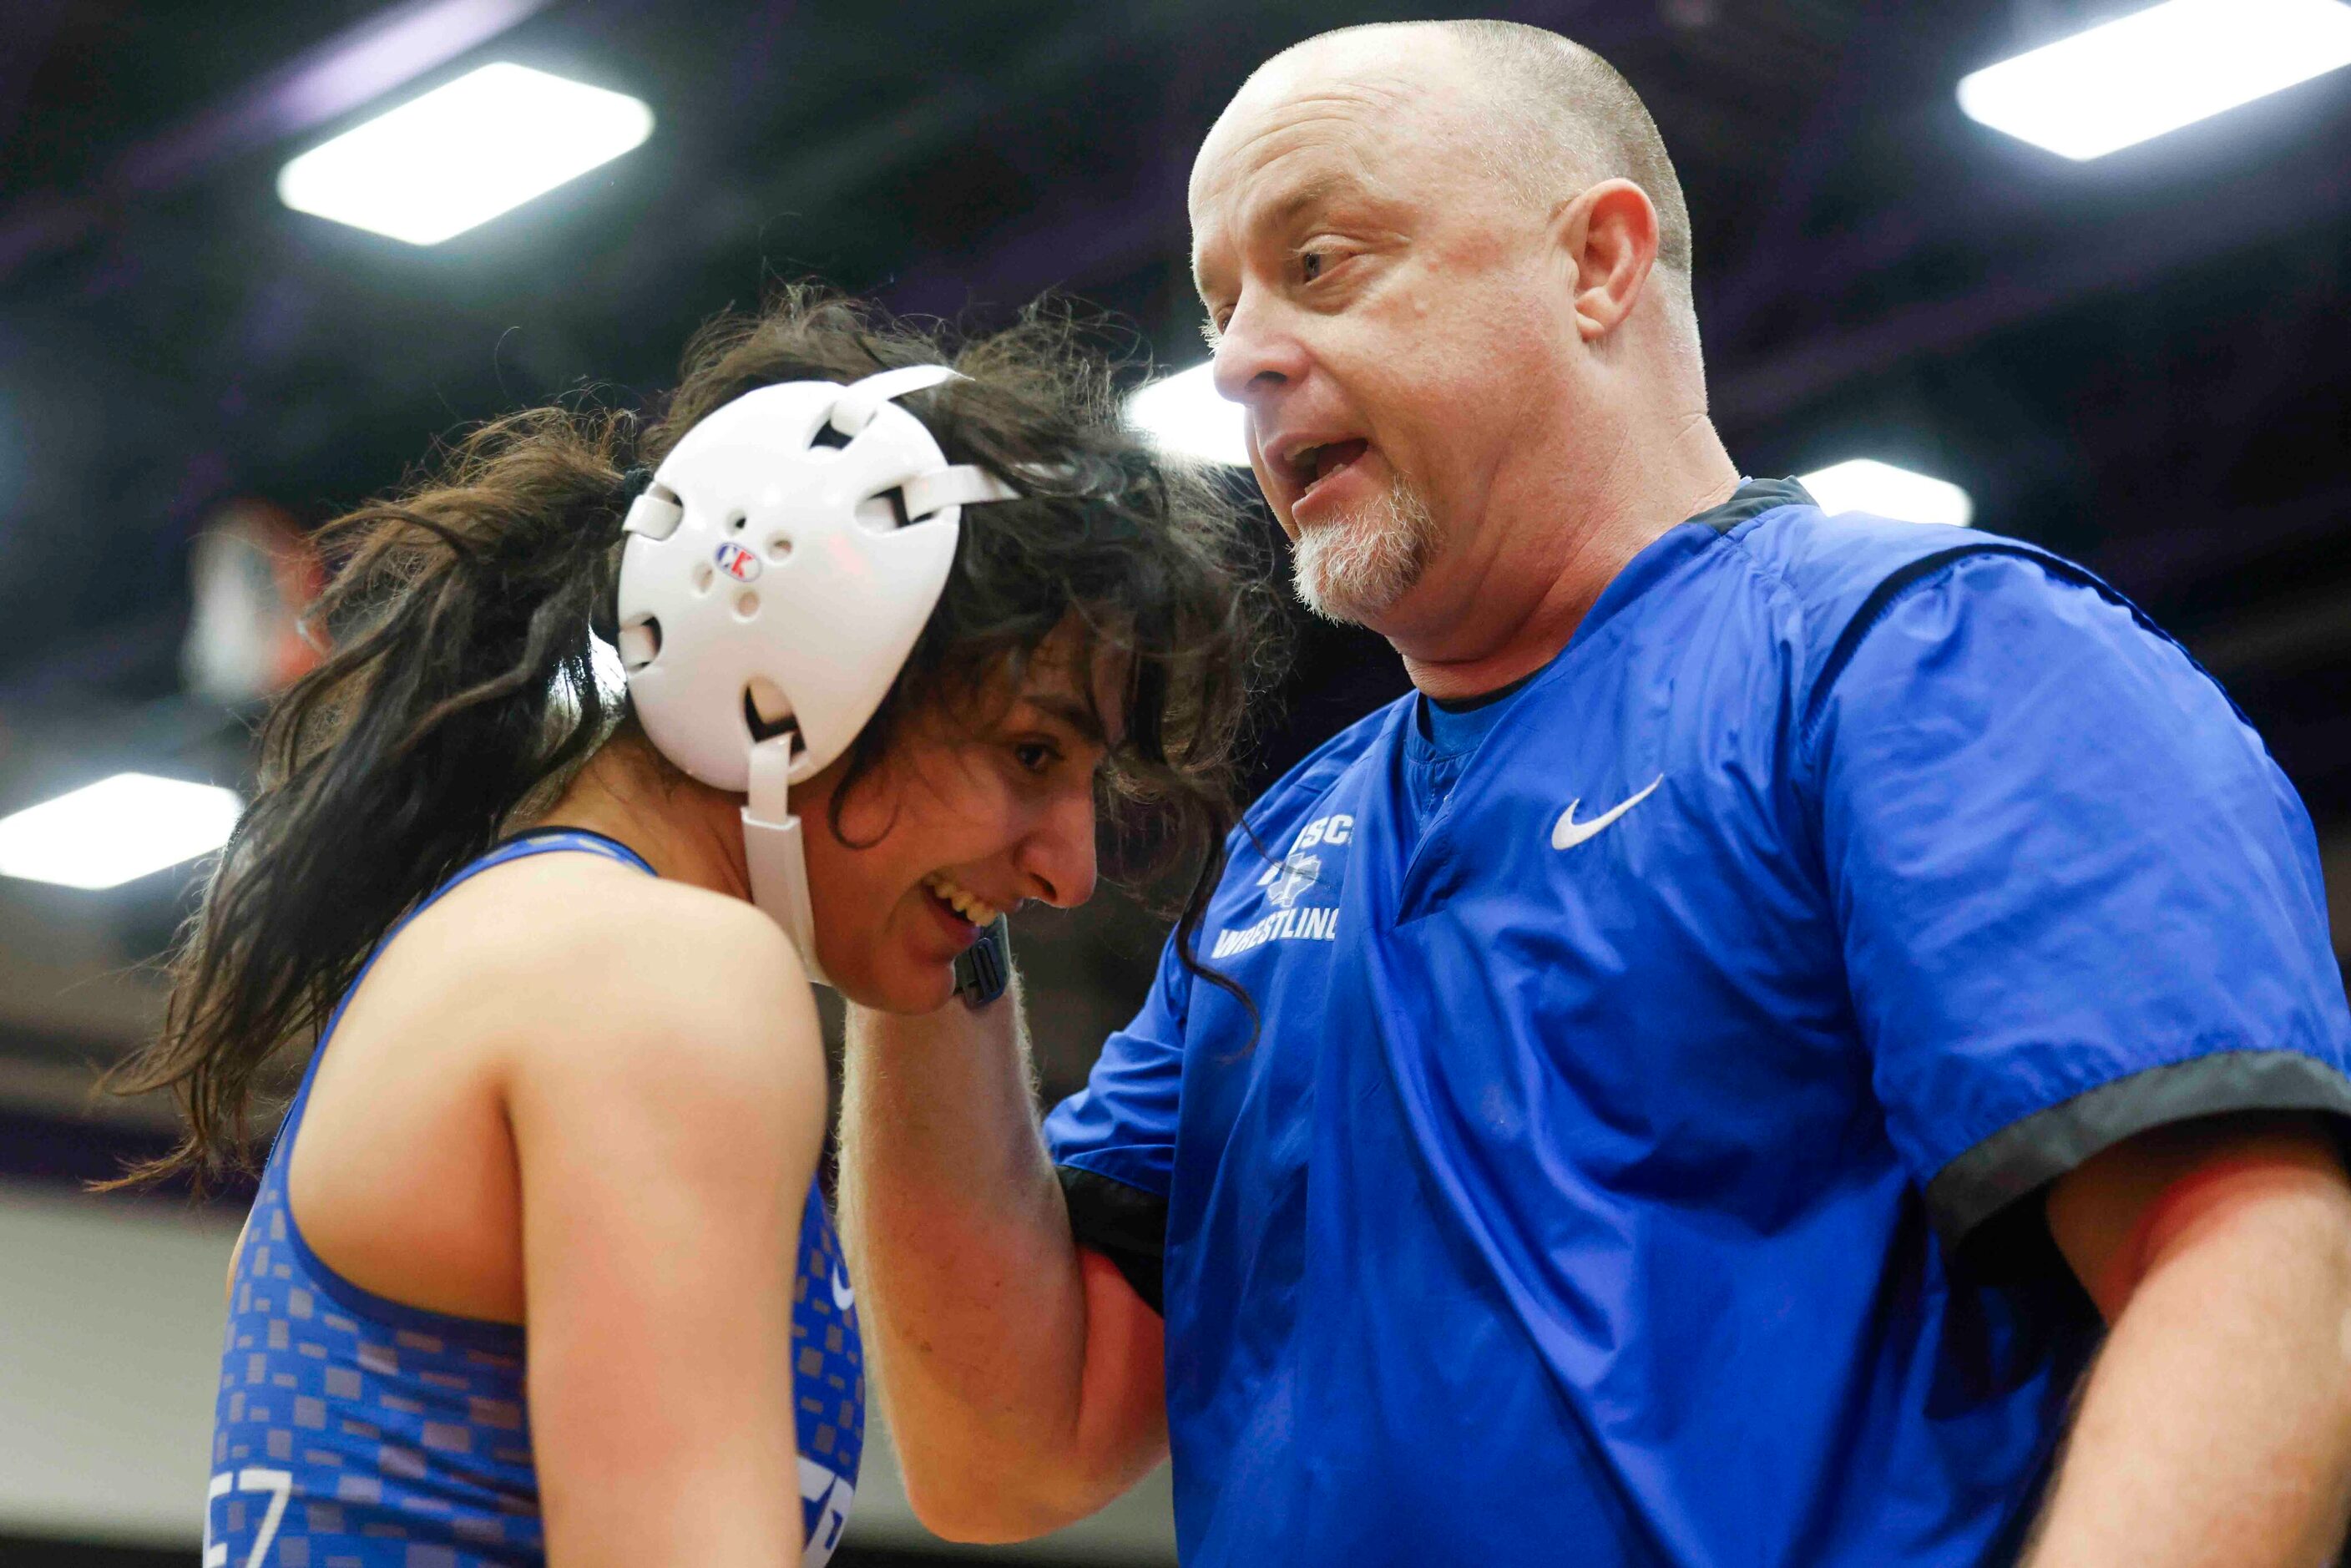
537	1270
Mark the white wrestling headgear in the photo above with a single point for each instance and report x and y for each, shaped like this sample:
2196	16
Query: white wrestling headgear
776	573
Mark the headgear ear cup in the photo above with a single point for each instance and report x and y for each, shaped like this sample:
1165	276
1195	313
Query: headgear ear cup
771	587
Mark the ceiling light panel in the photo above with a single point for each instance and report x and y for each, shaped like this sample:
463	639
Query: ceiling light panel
1865	485
464	152
1183	415
116	830
2156	70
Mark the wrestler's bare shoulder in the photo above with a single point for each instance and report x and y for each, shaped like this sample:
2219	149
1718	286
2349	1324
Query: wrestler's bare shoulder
550	946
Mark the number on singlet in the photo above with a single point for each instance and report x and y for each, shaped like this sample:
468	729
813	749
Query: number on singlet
278	1484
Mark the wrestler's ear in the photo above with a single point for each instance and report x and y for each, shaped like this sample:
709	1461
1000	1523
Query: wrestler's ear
1608	236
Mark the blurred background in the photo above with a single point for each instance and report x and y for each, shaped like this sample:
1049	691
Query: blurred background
2031	297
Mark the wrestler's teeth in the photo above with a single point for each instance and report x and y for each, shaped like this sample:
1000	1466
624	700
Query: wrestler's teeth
969	905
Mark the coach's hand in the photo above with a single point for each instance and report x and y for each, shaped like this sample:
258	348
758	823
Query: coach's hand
2215	1427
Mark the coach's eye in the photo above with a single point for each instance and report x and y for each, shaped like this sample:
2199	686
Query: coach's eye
1036	756
1309	265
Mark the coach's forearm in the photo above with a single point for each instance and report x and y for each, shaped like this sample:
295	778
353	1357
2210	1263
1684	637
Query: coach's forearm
2216	1427
972	1300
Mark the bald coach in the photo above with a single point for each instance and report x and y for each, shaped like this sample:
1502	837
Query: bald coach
1787	1010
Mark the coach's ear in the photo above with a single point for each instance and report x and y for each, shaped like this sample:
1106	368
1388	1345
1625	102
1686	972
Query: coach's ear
1608	236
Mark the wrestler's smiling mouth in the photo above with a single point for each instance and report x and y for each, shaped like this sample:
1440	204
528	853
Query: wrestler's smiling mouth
961	902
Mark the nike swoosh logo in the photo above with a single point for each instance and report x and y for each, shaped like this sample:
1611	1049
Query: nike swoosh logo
1567	832
843	1298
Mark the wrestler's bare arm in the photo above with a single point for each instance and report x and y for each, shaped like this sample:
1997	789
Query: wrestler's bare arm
1021	1374
667	1123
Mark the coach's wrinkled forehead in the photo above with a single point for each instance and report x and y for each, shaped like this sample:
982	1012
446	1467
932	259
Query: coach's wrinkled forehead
1366	107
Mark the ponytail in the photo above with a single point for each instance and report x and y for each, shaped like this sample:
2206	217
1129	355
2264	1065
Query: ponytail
459	686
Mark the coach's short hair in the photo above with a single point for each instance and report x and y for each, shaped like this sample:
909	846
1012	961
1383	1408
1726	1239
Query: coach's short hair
1566	118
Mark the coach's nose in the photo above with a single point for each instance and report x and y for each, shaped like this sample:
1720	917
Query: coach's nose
1257	354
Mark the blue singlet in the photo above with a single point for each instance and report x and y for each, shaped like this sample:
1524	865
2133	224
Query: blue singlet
352	1431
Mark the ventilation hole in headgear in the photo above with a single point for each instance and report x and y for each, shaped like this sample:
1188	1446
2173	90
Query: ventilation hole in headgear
767	715
826	435
703	576
779	549
734	522
747	605
884	512
639	643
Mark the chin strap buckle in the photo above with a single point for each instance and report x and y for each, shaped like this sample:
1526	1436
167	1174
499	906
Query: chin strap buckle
986	967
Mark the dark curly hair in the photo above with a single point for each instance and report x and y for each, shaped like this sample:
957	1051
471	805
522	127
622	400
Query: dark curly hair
460	691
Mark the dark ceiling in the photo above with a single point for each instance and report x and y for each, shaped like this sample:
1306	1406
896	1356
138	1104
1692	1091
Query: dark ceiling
2143	360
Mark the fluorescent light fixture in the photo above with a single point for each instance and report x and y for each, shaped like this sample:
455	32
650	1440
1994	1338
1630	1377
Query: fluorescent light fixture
2156	70
463	154
117	829
1865	485
1184	416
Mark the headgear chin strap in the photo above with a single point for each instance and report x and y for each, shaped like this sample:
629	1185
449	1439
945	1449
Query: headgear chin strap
772	849
776	573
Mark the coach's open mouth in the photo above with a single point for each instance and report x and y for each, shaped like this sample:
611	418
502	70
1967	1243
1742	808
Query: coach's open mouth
1311	465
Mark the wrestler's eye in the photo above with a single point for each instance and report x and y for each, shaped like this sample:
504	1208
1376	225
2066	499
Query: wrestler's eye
1310	264
1036	756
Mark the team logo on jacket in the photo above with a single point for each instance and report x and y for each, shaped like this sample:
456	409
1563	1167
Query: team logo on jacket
1287	880
1292	876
